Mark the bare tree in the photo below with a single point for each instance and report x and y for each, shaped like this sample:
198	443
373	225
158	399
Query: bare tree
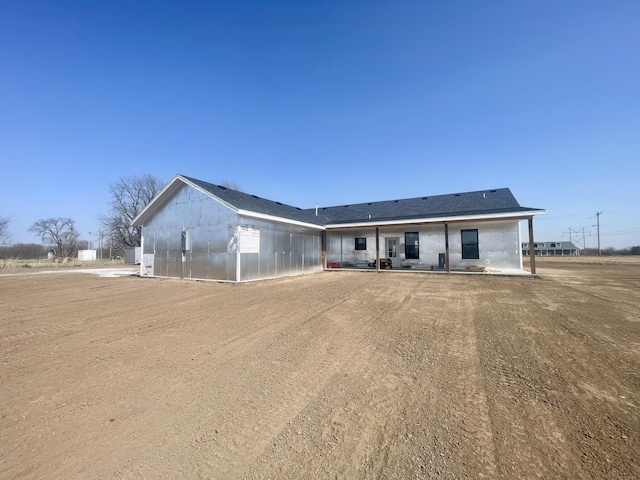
5	235
59	232
129	196
231	186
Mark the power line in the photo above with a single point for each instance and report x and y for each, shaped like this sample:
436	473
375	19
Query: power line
621	232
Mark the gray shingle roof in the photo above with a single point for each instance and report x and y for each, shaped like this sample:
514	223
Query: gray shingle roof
253	203
482	202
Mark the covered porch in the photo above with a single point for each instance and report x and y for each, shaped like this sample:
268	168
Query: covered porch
472	246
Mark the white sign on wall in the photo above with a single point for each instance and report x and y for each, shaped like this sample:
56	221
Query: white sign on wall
249	239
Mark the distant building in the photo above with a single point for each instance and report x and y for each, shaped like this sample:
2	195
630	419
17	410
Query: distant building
552	249
87	255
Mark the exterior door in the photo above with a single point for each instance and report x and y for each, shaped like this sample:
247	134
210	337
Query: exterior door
391	251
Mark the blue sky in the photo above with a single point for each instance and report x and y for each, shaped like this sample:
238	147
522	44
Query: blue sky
327	102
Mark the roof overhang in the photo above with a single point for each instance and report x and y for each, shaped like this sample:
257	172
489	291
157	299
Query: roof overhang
520	215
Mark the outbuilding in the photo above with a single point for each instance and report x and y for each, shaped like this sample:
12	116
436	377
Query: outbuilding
195	229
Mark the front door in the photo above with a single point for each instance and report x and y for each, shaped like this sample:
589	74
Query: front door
391	251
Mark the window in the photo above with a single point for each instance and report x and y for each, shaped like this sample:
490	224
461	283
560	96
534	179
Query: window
361	243
470	244
411	246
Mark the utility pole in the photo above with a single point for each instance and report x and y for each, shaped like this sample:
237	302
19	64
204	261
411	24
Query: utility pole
598	225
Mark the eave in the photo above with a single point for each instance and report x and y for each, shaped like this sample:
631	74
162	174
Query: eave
520	215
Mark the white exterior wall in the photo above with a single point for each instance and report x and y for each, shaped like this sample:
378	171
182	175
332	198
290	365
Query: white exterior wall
498	245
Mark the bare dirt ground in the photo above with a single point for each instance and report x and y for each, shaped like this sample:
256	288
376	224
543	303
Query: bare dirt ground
350	375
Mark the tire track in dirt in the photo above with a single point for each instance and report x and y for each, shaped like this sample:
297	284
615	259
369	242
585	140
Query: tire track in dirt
540	425
327	434
296	371
520	417
359	414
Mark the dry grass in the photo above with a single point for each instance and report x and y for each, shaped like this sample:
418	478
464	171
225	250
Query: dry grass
587	259
18	263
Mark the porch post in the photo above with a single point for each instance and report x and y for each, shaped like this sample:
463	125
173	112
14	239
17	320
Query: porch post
532	249
446	247
377	249
324	249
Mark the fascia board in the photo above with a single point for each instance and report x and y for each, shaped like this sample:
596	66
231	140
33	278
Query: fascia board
451	219
272	218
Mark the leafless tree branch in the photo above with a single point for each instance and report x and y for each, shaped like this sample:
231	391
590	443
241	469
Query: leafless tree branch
129	196
59	232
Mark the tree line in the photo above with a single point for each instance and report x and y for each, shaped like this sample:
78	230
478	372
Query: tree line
128	197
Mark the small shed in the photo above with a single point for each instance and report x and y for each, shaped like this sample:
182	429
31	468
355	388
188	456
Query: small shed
132	255
86	255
